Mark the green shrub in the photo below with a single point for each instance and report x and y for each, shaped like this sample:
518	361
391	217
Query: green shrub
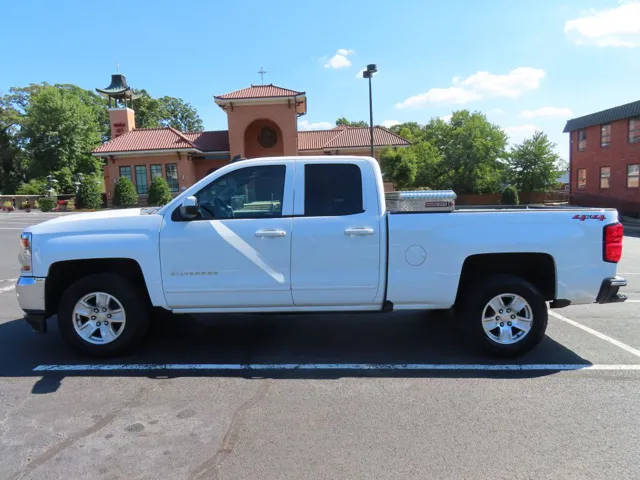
159	193
89	194
125	194
47	203
510	196
35	186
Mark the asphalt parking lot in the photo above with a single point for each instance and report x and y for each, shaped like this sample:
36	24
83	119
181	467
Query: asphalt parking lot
322	396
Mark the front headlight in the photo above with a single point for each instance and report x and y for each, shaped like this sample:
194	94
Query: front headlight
24	257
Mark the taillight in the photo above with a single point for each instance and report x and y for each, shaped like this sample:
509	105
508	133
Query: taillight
612	248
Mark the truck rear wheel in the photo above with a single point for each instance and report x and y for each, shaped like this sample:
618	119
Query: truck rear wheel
103	314
505	315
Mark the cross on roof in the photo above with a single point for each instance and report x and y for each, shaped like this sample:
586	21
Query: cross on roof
262	72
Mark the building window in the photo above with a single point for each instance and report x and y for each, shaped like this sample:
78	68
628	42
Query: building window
171	170
633	175
582	140
605	175
141	179
126	172
605	135
582	178
156	171
634	130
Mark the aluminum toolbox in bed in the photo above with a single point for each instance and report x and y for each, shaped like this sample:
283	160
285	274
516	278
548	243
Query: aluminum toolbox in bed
421	201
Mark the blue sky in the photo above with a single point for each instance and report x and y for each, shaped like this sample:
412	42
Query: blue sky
526	65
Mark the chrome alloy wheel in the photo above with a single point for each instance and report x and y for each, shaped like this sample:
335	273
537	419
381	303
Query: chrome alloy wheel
507	318
99	318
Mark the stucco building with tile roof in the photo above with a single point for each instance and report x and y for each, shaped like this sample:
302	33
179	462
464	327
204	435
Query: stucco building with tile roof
262	122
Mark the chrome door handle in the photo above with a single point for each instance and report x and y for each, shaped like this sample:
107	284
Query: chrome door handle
359	231
271	233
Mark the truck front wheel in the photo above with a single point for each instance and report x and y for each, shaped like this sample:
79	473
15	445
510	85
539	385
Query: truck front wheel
103	314
505	315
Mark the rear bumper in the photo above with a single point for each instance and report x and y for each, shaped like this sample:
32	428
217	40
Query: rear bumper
30	291
609	290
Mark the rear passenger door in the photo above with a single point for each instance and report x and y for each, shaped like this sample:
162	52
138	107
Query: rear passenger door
335	256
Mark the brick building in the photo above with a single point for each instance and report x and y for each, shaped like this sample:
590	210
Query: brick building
262	121
604	158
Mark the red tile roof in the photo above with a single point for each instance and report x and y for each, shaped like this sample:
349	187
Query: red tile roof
144	139
212	141
166	138
259	91
347	137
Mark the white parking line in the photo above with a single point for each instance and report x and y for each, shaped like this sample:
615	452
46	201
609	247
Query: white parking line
7	289
595	333
331	366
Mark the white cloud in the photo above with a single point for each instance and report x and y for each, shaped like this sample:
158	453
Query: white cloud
615	27
446	118
547	112
478	86
518	133
390	123
340	60
306	125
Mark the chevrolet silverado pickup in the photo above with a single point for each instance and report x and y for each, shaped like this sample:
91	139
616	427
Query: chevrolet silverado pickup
313	234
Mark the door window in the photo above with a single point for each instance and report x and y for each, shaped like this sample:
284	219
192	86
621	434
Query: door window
332	189
251	192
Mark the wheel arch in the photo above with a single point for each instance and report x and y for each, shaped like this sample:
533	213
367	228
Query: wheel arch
537	268
63	273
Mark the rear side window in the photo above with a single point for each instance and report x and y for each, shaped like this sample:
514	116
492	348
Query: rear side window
332	189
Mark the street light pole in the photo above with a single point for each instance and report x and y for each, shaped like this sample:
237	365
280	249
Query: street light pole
368	73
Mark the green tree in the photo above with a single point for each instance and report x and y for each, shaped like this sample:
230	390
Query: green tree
125	194
89	193
472	149
159	193
417	166
510	196
64	178
148	110
60	130
165	112
412	131
534	164
399	166
342	121
179	114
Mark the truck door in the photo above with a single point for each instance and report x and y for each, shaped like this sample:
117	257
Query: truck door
336	236
237	252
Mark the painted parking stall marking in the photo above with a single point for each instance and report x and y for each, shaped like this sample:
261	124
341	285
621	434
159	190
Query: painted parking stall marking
331	366
602	336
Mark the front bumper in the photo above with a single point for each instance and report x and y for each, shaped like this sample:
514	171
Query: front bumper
609	290
30	291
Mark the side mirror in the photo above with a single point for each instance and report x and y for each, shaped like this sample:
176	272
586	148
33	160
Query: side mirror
189	207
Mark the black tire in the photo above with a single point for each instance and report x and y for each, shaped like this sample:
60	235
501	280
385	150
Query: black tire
133	300
478	295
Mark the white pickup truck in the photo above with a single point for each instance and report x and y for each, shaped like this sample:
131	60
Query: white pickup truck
313	234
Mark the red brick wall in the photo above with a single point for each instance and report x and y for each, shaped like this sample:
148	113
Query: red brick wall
617	155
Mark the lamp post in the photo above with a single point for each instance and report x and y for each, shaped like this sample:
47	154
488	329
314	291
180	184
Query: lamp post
368	73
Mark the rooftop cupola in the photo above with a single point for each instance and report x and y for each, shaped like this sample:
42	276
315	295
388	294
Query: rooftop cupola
121	98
